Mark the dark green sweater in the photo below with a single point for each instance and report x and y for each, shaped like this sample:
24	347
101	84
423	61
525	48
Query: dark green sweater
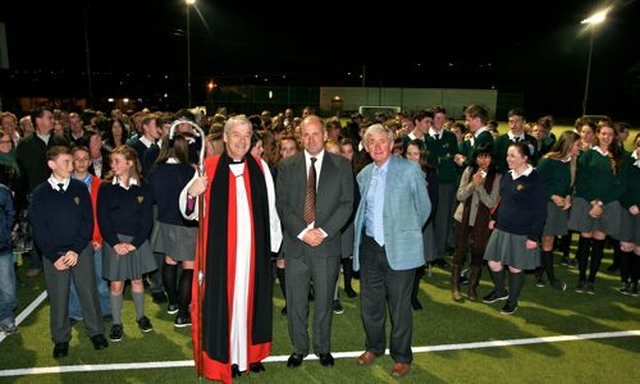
441	154
595	179
557	176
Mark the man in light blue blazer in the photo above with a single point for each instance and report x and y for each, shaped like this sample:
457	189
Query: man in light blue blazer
388	247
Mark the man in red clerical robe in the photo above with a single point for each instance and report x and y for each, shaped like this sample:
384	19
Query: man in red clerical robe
232	307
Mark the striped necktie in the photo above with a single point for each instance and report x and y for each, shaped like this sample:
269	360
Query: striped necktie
310	202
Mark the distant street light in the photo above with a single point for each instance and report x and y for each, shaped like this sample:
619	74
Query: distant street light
189	3
591	22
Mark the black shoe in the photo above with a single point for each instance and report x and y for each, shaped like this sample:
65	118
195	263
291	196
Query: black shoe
295	360
99	342
415	304
159	297
495	296
284	310
116	333
257	367
235	372
509	309
350	292
589	289
172	309
144	324
338	309
182	321
326	359
60	350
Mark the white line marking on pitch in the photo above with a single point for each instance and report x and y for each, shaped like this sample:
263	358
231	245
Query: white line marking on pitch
339	355
275	359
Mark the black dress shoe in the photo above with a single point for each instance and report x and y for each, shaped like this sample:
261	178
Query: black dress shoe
60	350
326	359
235	372
257	367
99	342
295	360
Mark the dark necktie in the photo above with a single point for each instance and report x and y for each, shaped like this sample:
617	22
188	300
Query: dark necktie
310	202
61	187
516	139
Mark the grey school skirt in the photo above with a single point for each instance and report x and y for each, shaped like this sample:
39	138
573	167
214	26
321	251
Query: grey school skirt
130	266
630	228
609	222
176	241
557	223
509	249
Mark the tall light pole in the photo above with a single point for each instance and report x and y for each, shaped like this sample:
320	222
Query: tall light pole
189	3
591	23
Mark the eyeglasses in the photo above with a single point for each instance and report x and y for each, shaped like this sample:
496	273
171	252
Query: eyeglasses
5	141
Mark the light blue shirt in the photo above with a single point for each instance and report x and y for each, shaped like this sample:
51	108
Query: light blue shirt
374	222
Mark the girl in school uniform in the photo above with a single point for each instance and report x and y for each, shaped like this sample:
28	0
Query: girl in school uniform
174	236
478	194
600	182
519	220
558	169
125	216
630	230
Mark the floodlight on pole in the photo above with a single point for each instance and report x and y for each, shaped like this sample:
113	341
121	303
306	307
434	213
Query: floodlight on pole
189	3
591	22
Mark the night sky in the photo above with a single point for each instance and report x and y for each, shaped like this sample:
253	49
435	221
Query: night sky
534	47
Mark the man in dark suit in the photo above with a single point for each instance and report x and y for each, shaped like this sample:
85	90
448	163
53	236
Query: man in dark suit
312	219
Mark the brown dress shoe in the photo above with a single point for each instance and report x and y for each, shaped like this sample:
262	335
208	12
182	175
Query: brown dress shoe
400	369
366	358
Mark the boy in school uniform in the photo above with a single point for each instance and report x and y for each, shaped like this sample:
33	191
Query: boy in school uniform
62	218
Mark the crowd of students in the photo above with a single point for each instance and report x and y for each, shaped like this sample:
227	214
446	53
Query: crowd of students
504	200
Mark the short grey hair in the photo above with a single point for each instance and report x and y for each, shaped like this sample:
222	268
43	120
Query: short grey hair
377	129
237	120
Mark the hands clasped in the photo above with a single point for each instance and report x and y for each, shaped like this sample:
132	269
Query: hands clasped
123	248
66	261
313	237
